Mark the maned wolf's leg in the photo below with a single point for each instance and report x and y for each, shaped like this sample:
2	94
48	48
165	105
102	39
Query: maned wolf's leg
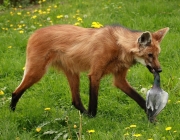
93	94
31	75
73	80
122	84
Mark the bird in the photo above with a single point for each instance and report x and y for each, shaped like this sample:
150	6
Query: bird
156	98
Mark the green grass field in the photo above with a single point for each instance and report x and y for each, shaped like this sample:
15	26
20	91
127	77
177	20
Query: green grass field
45	111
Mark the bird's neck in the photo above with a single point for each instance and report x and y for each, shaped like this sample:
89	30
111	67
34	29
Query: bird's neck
156	80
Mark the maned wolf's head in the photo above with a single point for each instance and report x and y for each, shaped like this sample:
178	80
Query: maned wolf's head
149	49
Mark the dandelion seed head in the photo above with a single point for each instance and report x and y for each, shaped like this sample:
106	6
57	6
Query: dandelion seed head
144	90
66	16
48	18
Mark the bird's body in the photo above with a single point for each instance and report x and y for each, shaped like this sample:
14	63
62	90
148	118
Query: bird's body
156	98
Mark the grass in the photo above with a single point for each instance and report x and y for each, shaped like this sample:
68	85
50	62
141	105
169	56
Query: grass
118	116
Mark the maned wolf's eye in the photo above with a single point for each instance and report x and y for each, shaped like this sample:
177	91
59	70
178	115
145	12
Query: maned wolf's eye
150	55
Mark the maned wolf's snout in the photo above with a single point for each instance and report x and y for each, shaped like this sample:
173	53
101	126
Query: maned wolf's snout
154	69
159	70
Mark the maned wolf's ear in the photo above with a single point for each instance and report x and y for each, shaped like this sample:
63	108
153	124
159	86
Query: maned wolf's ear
145	39
159	35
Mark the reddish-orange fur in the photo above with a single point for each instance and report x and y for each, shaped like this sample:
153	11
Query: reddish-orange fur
72	49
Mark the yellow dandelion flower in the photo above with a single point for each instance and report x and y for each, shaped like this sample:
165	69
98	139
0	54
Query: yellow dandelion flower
11	13
5	29
50	21
55	6
96	25
19	13
48	10
1	92
38	129
91	131
35	10
11	25
126	134
137	135
168	128
127	128
75	126
40	11
21	32
9	47
43	0
77	23
177	102
59	16
27	13
79	19
47	109
24	68
132	126
33	17
19	26
150	139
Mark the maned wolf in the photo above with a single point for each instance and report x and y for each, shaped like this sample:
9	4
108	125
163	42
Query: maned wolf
72	49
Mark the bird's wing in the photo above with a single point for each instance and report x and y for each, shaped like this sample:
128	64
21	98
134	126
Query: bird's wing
149	101
163	101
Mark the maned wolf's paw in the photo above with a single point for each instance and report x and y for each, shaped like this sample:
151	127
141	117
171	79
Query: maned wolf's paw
12	107
91	114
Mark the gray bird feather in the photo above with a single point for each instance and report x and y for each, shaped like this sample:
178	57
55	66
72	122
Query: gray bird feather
156	98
